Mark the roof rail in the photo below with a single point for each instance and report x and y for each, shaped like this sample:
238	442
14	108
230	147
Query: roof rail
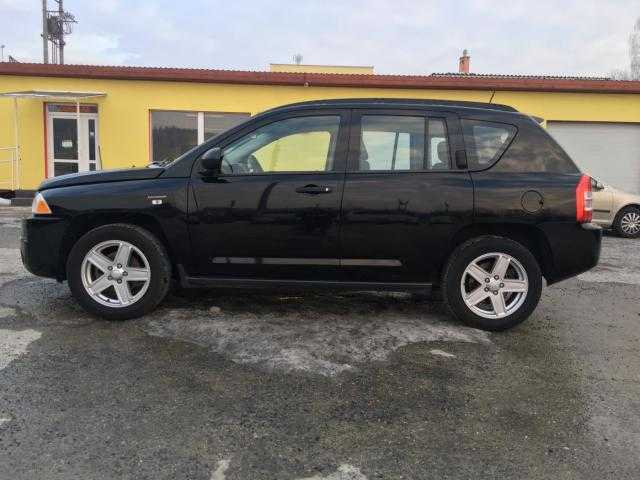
354	102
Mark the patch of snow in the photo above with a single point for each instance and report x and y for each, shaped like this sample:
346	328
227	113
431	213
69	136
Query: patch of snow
344	472
326	344
14	343
10	262
220	472
7	312
442	353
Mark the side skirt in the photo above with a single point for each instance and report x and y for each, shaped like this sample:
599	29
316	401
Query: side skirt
234	282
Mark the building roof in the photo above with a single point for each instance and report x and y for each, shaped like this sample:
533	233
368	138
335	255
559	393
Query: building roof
439	81
534	77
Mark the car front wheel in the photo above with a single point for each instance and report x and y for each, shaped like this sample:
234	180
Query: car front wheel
491	282
118	271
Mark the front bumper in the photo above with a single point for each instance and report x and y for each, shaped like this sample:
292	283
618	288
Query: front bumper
41	246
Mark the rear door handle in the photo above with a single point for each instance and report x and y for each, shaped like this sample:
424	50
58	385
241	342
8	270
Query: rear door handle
314	189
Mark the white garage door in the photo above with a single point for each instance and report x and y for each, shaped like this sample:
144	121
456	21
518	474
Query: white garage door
609	152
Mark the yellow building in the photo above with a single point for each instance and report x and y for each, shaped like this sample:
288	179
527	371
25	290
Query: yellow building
76	117
307	68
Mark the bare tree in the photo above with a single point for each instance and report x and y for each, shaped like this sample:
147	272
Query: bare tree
634	52
620	75
633	73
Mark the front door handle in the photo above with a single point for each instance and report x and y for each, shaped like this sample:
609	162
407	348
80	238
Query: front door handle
314	189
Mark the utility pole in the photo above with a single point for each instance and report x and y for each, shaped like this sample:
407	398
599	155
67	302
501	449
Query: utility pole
45	33
61	35
2	54
56	24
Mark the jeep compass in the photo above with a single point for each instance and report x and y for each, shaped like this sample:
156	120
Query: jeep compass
473	199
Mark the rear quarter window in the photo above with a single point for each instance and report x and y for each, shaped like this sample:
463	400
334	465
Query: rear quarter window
535	151
486	141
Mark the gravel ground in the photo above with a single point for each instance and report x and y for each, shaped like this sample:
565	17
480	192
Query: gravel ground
358	386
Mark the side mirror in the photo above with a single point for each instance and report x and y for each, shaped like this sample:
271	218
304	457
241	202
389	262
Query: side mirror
597	185
212	160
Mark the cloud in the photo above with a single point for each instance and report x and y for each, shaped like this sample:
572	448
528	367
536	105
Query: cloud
573	37
86	47
10	6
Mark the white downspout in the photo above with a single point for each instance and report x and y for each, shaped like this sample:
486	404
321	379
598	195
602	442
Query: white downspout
78	134
16	181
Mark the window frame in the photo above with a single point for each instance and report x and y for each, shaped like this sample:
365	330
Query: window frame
452	133
200	114
341	146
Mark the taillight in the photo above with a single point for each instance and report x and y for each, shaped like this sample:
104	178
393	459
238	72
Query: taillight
584	200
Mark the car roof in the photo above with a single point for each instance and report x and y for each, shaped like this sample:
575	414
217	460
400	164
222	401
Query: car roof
455	105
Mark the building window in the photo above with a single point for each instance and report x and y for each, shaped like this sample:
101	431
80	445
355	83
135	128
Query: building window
175	132
216	123
71	108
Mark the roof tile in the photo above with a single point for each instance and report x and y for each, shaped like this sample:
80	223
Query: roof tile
450	81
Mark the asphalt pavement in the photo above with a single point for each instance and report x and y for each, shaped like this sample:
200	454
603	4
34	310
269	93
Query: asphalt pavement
347	386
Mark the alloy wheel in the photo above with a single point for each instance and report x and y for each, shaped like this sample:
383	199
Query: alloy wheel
115	273
630	223
494	285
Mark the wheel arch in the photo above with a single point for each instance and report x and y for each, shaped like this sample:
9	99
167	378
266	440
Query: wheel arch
626	205
529	236
82	224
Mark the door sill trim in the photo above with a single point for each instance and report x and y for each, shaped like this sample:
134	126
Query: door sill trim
234	282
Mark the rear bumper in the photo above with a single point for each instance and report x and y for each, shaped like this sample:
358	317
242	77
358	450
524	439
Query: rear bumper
575	249
591	226
41	246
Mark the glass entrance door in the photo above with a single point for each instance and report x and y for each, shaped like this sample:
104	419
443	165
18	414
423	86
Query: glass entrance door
72	144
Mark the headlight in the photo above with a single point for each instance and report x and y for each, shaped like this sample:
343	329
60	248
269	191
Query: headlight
40	206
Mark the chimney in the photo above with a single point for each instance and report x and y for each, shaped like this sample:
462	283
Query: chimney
465	62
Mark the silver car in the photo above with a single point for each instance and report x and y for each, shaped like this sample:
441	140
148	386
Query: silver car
616	210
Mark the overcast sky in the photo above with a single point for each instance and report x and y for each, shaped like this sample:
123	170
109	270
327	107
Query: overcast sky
565	37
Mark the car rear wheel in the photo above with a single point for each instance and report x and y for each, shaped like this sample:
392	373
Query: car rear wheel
118	271
627	222
492	283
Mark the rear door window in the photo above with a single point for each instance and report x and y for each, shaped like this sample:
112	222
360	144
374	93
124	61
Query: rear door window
485	141
438	145
403	143
392	142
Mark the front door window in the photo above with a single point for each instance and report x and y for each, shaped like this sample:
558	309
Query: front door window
299	144
72	143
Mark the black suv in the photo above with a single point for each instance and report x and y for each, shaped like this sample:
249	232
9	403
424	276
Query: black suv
368	194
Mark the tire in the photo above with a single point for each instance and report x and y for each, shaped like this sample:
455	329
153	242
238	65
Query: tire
145	277
627	222
522	272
